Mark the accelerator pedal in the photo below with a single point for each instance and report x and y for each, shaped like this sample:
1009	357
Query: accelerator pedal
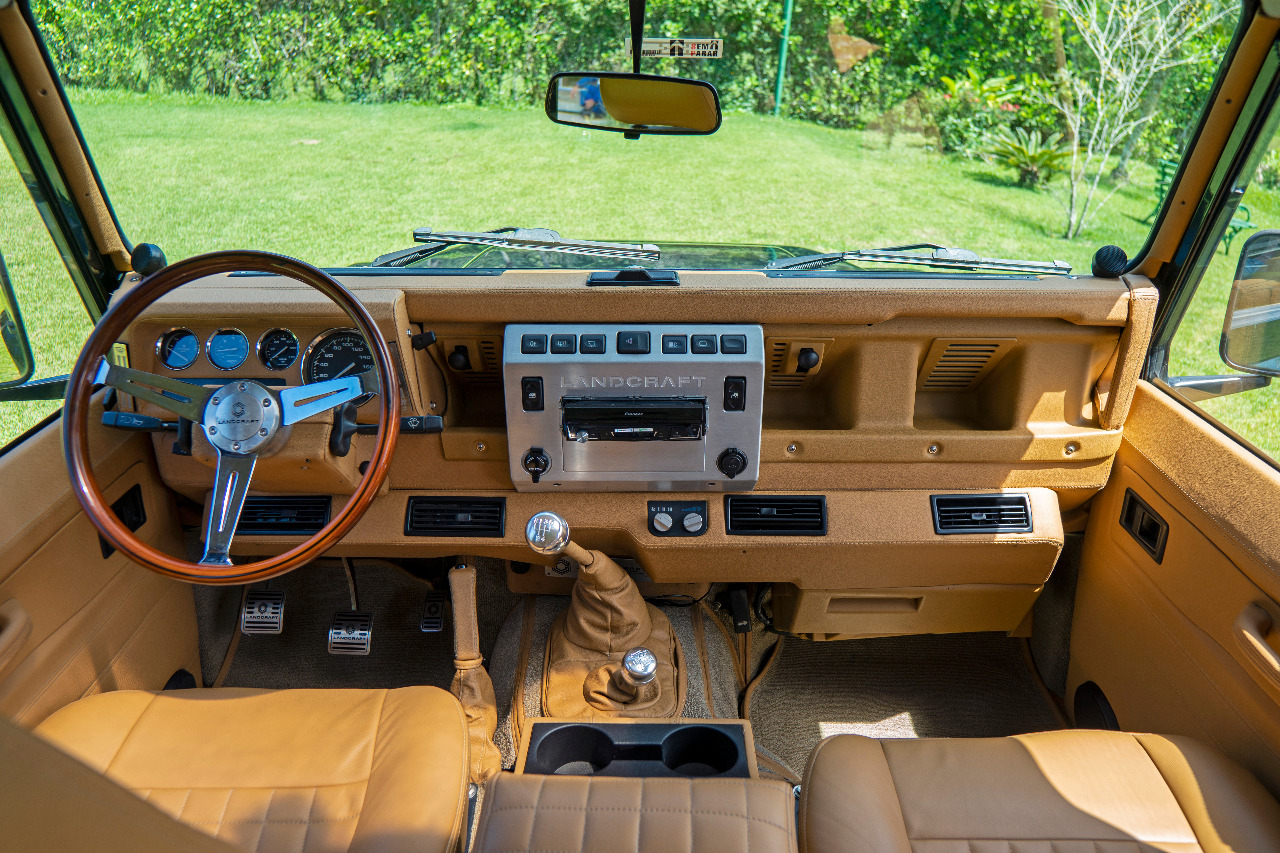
433	612
263	612
351	633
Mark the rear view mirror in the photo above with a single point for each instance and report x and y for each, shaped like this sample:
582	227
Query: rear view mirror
16	363
633	104
1251	331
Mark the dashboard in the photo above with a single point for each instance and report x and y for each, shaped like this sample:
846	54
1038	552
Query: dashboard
808	430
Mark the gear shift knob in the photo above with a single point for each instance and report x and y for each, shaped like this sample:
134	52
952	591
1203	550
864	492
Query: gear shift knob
547	532
641	664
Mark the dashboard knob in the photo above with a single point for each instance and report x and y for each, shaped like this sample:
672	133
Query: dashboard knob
547	532
807	359
693	522
662	522
732	462
536	462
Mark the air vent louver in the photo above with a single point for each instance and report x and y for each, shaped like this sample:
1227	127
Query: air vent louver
283	515
455	517
1003	513
778	377
958	364
760	515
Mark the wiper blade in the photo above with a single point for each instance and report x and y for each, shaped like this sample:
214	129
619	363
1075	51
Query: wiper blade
541	240
406	257
940	257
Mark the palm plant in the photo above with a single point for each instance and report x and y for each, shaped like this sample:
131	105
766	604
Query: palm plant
1035	156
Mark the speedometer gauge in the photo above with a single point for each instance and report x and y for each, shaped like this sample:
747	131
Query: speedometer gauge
335	354
227	349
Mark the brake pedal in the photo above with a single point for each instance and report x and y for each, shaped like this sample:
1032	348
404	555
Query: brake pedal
263	612
433	612
351	633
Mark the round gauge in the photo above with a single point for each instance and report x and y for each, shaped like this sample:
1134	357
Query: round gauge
278	349
178	349
227	349
335	354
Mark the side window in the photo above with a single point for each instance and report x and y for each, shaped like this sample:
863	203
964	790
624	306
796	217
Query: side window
55	318
1228	379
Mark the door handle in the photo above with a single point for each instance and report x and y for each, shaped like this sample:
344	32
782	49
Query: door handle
15	627
1251	629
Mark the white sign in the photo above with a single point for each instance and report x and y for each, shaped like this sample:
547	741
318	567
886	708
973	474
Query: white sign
681	48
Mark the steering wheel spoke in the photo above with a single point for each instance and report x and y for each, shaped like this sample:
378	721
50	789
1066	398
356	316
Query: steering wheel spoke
182	398
303	401
229	489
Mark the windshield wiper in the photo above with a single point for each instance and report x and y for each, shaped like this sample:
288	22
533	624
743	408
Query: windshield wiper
941	257
521	239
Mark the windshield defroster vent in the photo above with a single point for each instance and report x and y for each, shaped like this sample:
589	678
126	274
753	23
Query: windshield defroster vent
958	364
981	513
455	517
283	515
764	515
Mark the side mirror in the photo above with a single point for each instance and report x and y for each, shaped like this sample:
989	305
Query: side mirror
1251	330
633	104
16	363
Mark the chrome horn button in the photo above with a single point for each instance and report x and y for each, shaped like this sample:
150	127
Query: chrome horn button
241	417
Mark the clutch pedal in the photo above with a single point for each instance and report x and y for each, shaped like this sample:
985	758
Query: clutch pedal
351	633
433	612
263	612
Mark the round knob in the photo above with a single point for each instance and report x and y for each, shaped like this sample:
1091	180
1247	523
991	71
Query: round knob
547	532
693	522
807	359
640	664
732	462
1109	262
662	522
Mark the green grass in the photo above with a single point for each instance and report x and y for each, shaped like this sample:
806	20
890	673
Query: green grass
341	183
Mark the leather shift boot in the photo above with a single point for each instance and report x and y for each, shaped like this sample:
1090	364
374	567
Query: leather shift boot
471	682
606	618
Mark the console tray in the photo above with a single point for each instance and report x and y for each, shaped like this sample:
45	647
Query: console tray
689	748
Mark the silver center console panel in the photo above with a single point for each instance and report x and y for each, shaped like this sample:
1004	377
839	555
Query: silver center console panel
633	408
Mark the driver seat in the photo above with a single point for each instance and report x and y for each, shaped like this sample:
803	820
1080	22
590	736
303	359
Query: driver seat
301	771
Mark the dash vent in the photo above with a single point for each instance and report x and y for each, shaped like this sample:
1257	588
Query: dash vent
283	515
1002	513
777	350
767	515
958	364
455	517
490	363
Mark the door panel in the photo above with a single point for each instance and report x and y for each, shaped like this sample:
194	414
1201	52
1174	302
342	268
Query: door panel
96	623
1163	640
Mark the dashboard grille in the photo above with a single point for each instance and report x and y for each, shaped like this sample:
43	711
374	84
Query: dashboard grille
284	515
958	364
455	517
777	356
981	513
759	515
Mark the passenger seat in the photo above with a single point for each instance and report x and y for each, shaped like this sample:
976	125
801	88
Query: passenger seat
1069	792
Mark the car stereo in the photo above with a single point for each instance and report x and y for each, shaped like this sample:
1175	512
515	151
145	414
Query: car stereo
635	407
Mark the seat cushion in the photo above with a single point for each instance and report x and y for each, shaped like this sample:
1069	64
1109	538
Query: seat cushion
292	770
555	814
1066	792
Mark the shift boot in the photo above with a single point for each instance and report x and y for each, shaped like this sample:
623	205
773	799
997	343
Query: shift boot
471	683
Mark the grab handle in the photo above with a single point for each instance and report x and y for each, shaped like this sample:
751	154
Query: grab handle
1251	629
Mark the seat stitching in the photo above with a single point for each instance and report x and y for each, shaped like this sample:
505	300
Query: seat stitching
310	810
533	821
106	771
262	825
225	805
183	807
373	756
1176	799
536	807
286	822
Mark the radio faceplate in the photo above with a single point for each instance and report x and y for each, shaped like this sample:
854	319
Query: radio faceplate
636	407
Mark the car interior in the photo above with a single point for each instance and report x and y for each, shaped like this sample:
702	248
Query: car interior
594	557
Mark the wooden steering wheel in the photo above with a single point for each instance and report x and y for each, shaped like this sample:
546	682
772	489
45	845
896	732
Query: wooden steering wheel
241	420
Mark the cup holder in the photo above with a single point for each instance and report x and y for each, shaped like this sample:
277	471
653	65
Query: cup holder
700	751
638	749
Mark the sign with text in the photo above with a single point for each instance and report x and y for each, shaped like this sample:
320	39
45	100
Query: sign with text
680	48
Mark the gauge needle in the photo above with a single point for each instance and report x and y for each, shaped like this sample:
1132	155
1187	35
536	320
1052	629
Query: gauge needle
344	370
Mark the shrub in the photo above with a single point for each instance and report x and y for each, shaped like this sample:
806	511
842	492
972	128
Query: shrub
968	109
1268	174
1035	157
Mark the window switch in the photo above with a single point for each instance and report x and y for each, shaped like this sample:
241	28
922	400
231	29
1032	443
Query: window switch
735	393
531	393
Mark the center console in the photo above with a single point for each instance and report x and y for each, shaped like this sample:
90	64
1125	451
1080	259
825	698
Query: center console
640	407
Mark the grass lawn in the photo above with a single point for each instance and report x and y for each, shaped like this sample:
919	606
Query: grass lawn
341	183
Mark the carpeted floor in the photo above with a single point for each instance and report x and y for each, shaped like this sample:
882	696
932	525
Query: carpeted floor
400	654
959	685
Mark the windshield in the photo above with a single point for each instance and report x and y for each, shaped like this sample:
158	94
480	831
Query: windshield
330	132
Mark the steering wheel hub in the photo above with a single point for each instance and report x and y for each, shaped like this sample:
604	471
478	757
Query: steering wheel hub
241	417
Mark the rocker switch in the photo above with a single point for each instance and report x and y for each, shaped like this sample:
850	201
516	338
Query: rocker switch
531	393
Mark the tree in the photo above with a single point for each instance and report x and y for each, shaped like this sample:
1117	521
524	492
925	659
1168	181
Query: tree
1126	47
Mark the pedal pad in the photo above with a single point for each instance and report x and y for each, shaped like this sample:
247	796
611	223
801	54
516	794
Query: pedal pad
433	612
263	612
351	633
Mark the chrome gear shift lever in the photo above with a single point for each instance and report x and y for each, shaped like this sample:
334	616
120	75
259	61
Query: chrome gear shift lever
547	533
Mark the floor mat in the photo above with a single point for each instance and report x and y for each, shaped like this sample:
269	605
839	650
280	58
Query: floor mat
400	654
959	685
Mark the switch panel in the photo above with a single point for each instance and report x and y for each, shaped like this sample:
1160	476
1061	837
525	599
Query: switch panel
677	518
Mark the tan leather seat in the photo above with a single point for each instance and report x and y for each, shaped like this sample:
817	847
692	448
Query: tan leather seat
301	771
554	814
1066	792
